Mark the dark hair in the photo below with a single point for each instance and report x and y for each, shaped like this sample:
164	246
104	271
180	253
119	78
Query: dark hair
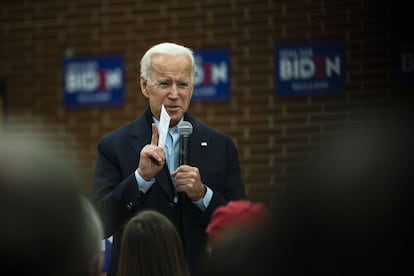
151	246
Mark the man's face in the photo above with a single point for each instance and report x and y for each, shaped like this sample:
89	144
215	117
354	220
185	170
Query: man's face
170	83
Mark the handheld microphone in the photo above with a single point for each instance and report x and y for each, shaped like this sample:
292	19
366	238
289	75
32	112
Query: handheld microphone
184	129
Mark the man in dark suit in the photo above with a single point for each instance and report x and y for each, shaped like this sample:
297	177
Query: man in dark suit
134	173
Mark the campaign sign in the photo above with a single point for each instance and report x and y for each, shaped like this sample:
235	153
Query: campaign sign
406	65
93	81
310	68
212	78
107	249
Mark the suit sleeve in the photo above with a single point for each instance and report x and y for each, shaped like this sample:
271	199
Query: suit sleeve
233	184
113	196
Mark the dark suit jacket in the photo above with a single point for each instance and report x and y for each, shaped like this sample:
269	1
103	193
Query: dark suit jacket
117	197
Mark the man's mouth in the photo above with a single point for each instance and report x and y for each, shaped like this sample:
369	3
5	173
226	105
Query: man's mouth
172	107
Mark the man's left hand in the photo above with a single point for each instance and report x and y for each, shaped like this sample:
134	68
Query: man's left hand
188	180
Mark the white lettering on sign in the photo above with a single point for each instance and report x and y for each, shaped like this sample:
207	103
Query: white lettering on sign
81	77
305	68
87	77
296	69
219	72
211	73
407	62
114	78
333	66
199	76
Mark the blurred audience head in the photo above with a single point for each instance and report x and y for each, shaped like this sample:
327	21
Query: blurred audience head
236	233
240	251
151	246
237	214
92	236
351	210
48	227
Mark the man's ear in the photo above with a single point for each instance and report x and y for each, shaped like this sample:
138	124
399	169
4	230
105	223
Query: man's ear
143	83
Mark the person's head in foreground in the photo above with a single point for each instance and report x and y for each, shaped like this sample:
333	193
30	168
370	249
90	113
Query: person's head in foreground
151	246
48	226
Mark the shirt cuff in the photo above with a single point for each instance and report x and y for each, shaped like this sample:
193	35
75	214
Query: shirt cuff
143	185
203	203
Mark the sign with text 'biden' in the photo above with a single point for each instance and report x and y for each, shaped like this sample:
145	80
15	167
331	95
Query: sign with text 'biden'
94	81
406	65
212	79
310	68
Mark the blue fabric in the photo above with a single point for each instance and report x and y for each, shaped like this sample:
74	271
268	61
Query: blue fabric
172	148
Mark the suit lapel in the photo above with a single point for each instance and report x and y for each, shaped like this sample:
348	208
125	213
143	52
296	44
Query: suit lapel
199	141
164	179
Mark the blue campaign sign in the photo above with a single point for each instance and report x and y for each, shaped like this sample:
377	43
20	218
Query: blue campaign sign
212	80
310	68
406	66
93	81
107	249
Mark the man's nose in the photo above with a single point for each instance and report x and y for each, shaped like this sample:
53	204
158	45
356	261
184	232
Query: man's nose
173	92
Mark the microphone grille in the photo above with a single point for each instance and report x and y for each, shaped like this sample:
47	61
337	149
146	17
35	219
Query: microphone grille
185	128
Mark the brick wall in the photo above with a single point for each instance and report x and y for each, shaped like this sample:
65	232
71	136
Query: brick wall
273	134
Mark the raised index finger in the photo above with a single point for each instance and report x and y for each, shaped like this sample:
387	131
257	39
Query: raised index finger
155	135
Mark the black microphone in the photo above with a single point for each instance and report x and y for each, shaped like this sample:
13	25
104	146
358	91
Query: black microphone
184	129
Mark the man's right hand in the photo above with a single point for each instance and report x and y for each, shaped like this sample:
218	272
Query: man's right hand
152	157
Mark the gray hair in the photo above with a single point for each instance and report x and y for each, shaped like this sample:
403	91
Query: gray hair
165	48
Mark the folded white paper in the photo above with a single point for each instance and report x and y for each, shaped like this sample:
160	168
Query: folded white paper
163	127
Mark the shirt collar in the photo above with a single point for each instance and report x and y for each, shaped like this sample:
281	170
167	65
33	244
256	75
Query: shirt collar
172	129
